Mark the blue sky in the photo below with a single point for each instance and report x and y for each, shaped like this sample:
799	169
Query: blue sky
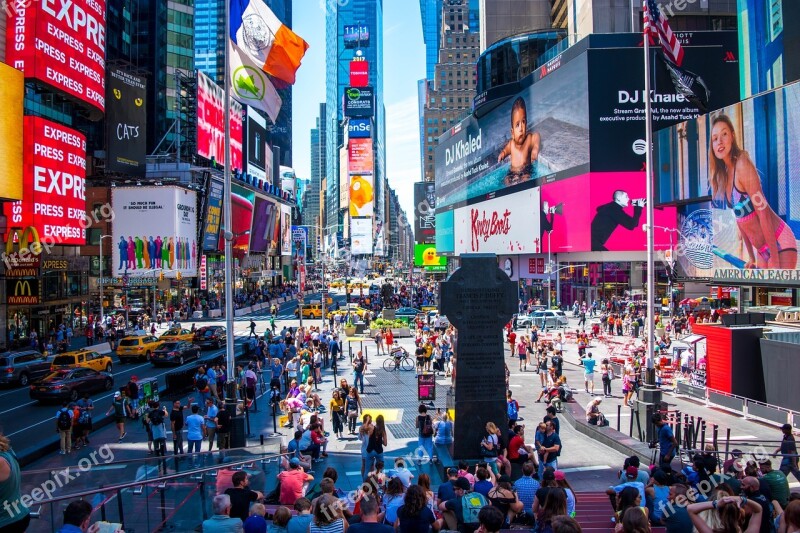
403	63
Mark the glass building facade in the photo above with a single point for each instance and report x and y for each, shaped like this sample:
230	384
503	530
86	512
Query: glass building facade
512	59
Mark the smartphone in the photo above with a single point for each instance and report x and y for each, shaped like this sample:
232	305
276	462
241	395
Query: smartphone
108	527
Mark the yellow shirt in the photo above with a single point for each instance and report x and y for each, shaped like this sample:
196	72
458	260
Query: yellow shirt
336	405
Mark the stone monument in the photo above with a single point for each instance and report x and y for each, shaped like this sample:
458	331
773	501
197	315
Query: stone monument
478	299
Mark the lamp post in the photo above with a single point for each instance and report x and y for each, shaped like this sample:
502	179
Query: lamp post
549	268
102	315
668	259
550	273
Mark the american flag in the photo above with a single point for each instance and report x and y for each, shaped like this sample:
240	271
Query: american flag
656	25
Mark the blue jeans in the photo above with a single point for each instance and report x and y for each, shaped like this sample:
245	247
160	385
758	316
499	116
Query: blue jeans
358	377
542	465
426	443
194	446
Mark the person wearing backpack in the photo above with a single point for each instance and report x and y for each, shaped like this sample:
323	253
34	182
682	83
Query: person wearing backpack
132	391
424	426
64	427
201	384
461	512
359	367
512	408
118	407
156	417
85	418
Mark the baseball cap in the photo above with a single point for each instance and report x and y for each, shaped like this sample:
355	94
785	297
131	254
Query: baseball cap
559	475
461	483
117	394
294	461
632	471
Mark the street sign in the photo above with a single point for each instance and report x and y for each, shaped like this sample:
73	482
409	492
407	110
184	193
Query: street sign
426	387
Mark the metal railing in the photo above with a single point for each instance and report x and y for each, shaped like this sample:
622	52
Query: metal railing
747	407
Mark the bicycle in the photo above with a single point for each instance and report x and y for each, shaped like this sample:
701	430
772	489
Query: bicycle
403	362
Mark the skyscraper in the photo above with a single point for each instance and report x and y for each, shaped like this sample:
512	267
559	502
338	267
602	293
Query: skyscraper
368	13
311	204
503	18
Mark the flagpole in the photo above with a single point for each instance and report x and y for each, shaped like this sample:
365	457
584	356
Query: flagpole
651	293
228	221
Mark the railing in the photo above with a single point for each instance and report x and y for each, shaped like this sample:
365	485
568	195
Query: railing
172	492
748	408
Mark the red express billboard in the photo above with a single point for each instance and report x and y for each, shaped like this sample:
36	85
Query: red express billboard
211	123
62	43
54	172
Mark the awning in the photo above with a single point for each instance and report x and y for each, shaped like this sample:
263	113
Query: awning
692	339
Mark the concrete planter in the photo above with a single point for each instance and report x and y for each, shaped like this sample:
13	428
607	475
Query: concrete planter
349	330
401	332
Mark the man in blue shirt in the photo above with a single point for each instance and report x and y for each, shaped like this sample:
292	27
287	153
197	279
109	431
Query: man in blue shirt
526	488
211	421
667	443
588	372
195	429
211	374
550	449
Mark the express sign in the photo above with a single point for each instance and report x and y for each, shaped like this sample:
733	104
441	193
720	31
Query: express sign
62	43
54	171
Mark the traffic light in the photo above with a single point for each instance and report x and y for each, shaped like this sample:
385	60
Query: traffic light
161	276
178	275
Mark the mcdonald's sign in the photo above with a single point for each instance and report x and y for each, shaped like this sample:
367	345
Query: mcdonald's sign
23	291
27	256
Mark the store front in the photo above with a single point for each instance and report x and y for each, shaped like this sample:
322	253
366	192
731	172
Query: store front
603	281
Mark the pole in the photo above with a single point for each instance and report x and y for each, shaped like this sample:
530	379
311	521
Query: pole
549	269
650	328
230	370
102	317
127	325
155	312
324	294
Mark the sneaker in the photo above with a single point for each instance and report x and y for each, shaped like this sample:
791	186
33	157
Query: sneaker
125	434
62	452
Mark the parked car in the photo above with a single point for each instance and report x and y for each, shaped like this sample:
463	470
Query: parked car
137	348
311	310
549	319
82	359
443	319
407	312
70	384
177	334
175	353
210	337
23	366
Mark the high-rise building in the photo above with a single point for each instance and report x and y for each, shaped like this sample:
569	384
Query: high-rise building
311	203
367	13
450	94
502	18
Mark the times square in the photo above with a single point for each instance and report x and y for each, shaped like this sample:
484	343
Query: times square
309	265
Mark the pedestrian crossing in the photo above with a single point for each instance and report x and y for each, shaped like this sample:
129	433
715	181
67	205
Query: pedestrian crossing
267	316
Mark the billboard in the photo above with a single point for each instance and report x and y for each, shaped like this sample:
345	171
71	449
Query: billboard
23	291
126	123
12	85
361	195
155	230
242	202
263	232
286	230
616	103
61	44
299	244
211	124
359	102
425	256
355	36
542	131
425	212
359	128
359	73
213	215
360	158
361	236
54	173
258	164
501	225
737	180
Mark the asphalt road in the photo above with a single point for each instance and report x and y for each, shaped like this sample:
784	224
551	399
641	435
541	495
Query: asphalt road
30	423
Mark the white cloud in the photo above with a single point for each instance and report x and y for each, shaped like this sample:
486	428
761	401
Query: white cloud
402	150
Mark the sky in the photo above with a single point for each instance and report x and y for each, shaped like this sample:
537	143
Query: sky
404	65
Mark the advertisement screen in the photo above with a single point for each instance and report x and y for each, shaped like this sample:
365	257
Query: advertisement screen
211	125
361	236
242	201
62	44
126	123
501	225
257	147
54	173
213	216
299	244
425	212
263	225
359	73
359	102
362	195
359	128
745	223
616	102
286	230
12	85
155	231
425	256
356	36
482	156
359	159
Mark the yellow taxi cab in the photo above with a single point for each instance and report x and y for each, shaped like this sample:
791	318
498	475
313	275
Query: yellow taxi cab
312	310
353	308
137	347
177	334
82	359
337	284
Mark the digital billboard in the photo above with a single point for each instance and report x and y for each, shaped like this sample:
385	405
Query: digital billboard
359	102
286	230
54	189
361	236
359	73
355	36
425	256
542	131
425	212
126	123
263	225
299	244
257	164
360	157
62	44
155	231
359	128
743	224
213	220
361	195
211	123
243	202
12	86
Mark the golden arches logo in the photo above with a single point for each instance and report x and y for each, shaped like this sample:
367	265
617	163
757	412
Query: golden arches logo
28	240
23	288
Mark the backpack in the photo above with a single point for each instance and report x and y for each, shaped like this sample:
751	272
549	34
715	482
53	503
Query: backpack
565	393
156	417
471	505
512	410
84	418
427	427
201	383
64	420
133	390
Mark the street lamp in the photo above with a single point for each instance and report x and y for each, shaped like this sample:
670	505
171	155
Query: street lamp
102	317
549	271
668	259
